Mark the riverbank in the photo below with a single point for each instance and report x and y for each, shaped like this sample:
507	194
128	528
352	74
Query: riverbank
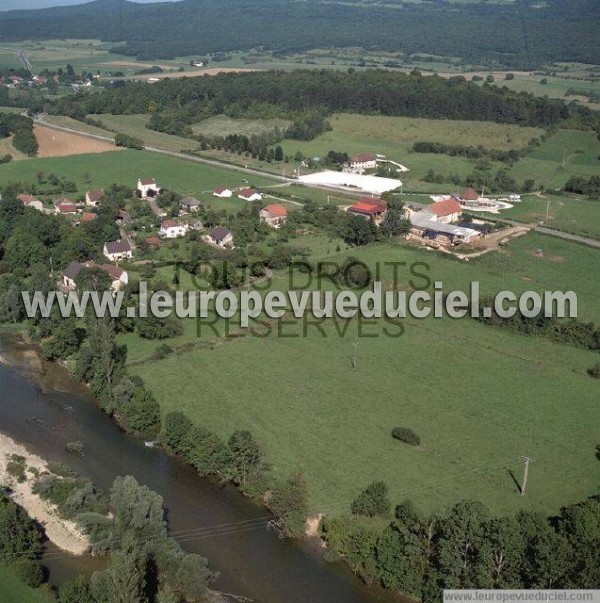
61	532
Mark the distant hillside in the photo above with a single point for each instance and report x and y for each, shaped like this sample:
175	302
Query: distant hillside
510	35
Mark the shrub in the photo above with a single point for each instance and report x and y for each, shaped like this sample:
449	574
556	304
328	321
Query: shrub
75	447
406	435
28	571
372	501
594	372
162	351
16	467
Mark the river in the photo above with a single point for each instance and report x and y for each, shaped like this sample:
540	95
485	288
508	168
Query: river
214	520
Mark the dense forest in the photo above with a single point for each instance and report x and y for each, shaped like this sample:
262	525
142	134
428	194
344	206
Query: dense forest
307	95
526	38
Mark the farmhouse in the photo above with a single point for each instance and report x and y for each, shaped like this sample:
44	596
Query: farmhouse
249	194
171	229
369	208
220	236
424	224
364	161
30	201
148	188
118	250
190	204
444	211
93	198
65	206
274	215
118	275
222	192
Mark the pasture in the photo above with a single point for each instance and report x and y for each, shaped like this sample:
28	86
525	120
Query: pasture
395	136
567	153
15	591
570	213
436	379
125	167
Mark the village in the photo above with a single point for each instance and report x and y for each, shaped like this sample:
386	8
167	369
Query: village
444	223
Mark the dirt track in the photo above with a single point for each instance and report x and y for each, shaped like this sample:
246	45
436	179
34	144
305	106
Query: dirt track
54	143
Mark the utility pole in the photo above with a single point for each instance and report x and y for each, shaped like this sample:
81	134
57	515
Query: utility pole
526	473
354	356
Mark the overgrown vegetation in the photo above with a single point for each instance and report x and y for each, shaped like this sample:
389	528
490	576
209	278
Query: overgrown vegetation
21	129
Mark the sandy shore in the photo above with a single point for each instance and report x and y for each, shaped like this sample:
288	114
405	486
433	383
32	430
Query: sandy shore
64	534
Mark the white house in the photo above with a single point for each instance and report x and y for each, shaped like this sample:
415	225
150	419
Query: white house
171	229
148	188
362	162
274	215
445	212
30	201
220	236
118	275
65	206
222	192
93	198
249	194
118	250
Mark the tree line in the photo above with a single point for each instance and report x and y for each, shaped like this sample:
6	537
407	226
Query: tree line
21	129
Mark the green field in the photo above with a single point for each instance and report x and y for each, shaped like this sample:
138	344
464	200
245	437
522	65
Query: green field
569	213
221	125
125	167
15	591
395	136
568	153
478	397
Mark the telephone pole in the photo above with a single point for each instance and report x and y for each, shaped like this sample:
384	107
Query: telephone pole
526	473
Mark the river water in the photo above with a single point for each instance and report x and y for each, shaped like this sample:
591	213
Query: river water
205	516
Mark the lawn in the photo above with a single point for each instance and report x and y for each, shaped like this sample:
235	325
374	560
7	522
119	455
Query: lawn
568	153
569	213
125	167
395	136
478	397
15	591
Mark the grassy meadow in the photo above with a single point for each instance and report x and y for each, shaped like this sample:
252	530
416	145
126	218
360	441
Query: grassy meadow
125	167
477	396
15	591
569	213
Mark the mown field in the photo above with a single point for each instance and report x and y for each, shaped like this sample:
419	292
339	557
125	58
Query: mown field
125	167
569	213
15	591
567	153
478	397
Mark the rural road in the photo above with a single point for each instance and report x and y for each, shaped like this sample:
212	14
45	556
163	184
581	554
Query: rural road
253	172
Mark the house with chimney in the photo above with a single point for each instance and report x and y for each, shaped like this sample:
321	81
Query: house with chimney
275	215
93	198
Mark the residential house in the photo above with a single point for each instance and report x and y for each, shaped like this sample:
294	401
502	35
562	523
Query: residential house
222	192
153	242
446	211
362	162
369	207
190	204
118	250
93	198
274	215
148	188
220	236
249	194
118	275
65	206
123	217
30	201
88	216
171	229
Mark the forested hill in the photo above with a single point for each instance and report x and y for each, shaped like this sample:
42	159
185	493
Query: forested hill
515	35
309	94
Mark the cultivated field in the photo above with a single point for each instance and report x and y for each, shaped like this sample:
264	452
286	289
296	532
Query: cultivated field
436	379
54	143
